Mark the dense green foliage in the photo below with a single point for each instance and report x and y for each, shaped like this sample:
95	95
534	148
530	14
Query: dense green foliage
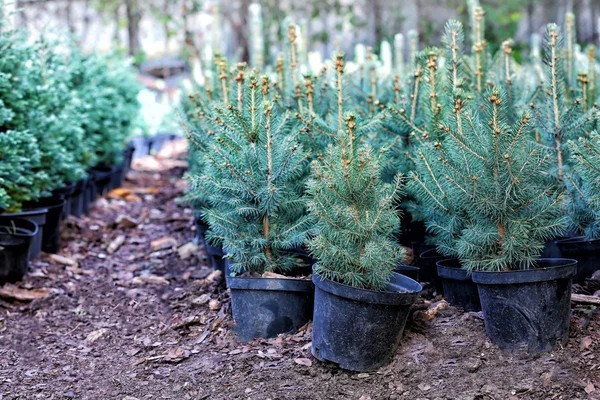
62	113
482	135
252	179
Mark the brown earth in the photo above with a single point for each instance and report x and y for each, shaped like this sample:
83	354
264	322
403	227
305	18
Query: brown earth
142	323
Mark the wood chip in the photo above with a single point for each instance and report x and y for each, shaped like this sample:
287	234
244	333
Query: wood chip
582	298
9	291
97	334
163	243
63	260
115	244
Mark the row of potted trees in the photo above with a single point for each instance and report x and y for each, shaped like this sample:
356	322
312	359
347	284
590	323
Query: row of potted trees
498	161
64	121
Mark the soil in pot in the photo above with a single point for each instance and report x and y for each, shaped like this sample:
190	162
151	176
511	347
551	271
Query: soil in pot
77	199
16	237
65	192
51	233
408	270
586	252
459	289
266	307
427	263
528	309
360	329
38	216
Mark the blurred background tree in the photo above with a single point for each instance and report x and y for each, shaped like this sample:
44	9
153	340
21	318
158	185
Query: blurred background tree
159	28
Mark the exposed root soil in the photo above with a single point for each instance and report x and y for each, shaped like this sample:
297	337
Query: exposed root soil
143	323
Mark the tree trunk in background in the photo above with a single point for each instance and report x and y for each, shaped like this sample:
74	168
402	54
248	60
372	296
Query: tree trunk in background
585	21
133	25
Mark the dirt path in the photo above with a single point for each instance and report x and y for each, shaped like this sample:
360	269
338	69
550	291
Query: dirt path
145	324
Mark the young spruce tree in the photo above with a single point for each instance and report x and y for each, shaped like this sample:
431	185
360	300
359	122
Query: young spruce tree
252	180
355	212
487	183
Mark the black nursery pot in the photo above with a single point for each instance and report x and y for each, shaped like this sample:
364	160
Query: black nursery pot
266	307
89	194
51	234
102	177
459	289
408	270
65	192
77	199
586	252
360	329
116	177
427	263
37	216
215	255
127	158
528	308
16	236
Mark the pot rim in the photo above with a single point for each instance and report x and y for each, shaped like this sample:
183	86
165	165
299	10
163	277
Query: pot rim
576	240
21	221
452	272
27	212
391	297
269	284
424	255
558	268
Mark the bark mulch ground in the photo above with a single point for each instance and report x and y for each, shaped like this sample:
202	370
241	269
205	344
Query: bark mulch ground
130	311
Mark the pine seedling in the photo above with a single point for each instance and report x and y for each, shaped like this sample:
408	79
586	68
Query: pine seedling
558	119
354	212
586	183
253	181
487	183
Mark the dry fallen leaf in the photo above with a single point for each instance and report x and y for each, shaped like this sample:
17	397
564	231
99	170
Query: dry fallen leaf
585	343
9	291
97	334
187	250
176	354
63	260
303	361
163	243
590	388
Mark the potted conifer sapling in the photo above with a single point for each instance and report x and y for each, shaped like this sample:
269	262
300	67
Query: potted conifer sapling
361	304
254	183
494	178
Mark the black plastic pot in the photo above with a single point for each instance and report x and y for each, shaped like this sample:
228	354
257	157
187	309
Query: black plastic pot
427	263
89	194
586	252
408	270
459	289
360	329
141	146
37	216
201	229
266	307
116	178
16	236
102	178
157	142
528	308
51	233
127	158
77	199
65	192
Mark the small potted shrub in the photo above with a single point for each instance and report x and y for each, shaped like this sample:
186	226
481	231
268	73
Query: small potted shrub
564	112
361	305
494	179
585	179
253	180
